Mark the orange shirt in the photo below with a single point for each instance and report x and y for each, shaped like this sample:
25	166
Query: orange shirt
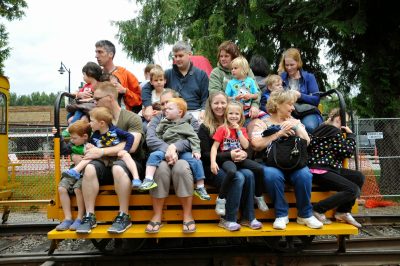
133	95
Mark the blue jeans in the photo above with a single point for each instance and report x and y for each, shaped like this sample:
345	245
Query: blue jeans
77	115
240	194
274	182
196	165
311	122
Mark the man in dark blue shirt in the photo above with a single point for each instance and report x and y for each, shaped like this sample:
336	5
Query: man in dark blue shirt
190	81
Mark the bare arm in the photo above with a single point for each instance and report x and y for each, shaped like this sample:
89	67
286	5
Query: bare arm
213	157
243	141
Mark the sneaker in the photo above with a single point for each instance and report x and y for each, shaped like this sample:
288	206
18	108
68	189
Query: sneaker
255	224
230	226
322	218
136	183
147	184
262	206
75	224
280	223
64	225
71	173
201	192
220	206
120	224
311	222
88	222
347	218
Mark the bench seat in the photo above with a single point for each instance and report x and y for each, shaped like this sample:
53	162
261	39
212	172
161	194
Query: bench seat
140	210
208	230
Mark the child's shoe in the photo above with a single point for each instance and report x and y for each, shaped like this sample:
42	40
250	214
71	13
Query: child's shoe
75	224
322	218
220	206
147	184
230	226
201	192
64	225
347	218
136	183
262	206
72	173
255	224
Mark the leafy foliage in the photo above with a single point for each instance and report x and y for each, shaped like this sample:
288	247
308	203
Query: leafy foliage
362	37
10	10
35	99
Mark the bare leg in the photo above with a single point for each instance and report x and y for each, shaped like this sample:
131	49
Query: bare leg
150	170
65	203
122	185
80	203
158	205
90	187
81	165
130	163
187	210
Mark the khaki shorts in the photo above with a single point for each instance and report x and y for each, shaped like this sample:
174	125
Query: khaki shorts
180	175
70	184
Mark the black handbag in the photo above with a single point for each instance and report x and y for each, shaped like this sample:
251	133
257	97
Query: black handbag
287	154
303	109
85	107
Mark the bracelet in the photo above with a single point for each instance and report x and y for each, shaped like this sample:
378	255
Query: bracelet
102	152
296	127
238	132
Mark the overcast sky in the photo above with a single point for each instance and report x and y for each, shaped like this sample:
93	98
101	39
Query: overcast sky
53	31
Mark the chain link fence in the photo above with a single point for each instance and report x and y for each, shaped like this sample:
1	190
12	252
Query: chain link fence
32	148
378	148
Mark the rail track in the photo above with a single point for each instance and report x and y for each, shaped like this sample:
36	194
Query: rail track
378	241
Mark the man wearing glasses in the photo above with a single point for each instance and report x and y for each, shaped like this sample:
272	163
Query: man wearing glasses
97	173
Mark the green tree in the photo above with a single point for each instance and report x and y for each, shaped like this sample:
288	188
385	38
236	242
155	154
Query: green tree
362	37
10	10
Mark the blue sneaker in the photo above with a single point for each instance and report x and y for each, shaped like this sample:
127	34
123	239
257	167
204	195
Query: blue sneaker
136	183
75	224
64	225
71	173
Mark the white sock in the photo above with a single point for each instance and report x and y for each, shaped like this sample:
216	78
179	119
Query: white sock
149	177
199	185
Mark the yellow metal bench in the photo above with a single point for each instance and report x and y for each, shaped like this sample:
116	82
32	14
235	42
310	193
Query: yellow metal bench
203	213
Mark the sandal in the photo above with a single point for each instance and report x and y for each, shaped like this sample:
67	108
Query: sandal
186	227
153	225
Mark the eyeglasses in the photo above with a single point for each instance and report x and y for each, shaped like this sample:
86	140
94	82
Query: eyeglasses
99	98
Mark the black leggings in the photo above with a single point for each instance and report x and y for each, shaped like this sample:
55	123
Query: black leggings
231	168
346	182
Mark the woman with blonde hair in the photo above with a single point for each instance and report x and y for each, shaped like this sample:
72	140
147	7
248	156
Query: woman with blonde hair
241	192
279	125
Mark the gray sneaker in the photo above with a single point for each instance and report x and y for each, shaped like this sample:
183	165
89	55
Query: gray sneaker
120	224
201	193
88	222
